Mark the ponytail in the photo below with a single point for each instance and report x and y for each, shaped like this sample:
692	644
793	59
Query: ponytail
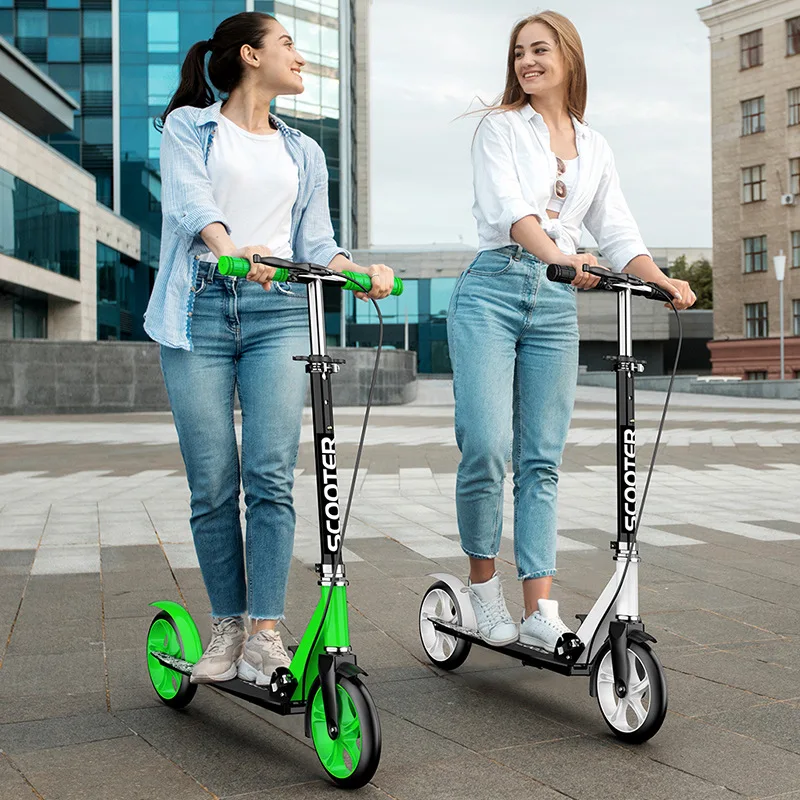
225	67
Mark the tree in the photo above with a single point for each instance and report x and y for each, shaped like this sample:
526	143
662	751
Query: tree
699	277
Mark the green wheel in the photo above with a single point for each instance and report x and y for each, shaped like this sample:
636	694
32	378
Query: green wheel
352	758
172	687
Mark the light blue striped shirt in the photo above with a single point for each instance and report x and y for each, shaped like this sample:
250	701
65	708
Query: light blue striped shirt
188	206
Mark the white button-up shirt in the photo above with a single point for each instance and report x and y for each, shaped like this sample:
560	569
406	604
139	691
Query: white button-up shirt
514	173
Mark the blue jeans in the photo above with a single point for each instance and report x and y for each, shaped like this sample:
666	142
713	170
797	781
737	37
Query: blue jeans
244	339
514	348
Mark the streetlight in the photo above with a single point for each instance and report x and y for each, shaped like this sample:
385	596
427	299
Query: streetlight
779	262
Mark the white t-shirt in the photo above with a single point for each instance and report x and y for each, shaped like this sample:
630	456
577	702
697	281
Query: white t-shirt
255	184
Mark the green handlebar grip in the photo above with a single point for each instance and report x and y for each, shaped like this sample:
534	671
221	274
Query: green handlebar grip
239	267
359	282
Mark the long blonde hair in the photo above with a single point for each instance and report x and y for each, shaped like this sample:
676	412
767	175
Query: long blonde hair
569	41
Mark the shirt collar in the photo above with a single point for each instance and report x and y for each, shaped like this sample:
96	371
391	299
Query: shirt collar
211	114
528	113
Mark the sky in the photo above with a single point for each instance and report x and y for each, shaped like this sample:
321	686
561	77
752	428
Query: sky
648	70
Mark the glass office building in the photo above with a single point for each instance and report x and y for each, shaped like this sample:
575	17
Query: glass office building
121	61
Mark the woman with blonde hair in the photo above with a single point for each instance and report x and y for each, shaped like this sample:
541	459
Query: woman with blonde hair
539	173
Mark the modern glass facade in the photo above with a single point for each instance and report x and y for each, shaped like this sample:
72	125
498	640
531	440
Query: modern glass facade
117	299
314	26
37	228
70	40
424	304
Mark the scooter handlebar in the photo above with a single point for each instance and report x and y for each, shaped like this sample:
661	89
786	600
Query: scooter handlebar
353	281
610	281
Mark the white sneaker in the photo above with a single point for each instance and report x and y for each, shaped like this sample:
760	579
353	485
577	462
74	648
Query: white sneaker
220	658
544	627
263	654
495	625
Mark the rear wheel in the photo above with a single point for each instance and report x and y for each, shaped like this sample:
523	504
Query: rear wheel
352	757
173	687
444	650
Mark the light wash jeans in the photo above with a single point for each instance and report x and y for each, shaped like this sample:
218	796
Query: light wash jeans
513	338
244	339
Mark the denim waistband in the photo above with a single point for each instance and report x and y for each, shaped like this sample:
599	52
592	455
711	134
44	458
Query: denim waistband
208	270
517	252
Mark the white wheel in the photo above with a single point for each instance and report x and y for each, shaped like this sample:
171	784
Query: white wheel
444	650
639	715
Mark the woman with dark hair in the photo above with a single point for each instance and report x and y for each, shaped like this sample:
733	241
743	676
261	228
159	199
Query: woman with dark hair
237	181
539	174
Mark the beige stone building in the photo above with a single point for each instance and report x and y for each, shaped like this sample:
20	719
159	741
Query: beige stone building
755	97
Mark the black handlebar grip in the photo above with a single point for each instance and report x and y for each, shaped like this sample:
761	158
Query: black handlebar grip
561	274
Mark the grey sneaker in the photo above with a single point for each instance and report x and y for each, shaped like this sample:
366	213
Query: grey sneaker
495	625
218	662
544	627
263	654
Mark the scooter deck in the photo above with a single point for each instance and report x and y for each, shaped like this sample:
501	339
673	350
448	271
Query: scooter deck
527	654
259	695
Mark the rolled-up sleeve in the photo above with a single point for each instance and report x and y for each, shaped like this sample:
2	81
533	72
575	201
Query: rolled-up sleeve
314	239
610	221
498	193
187	199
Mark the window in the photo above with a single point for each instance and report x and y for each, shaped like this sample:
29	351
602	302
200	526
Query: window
755	254
793	36
750	46
67	76
796	317
63	3
794	175
116	279
162	81
37	228
753	116
97	24
753	184
97	77
162	31
97	130
755	315
64	48
31	24
30	318
756	375
794	106
65	23
795	261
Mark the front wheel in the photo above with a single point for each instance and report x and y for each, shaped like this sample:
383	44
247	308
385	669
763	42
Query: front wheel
639	715
352	758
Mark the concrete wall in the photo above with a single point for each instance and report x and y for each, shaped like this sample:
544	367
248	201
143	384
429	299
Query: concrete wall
781	390
41	377
72	304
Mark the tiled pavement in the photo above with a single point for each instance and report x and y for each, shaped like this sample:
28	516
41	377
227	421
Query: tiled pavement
93	527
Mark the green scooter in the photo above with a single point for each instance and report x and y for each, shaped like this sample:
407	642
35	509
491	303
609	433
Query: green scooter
323	681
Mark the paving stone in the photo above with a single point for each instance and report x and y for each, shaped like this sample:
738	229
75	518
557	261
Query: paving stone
16	562
621	775
73	672
13	785
125	769
213	738
740	763
777	724
471	777
24	737
50	704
